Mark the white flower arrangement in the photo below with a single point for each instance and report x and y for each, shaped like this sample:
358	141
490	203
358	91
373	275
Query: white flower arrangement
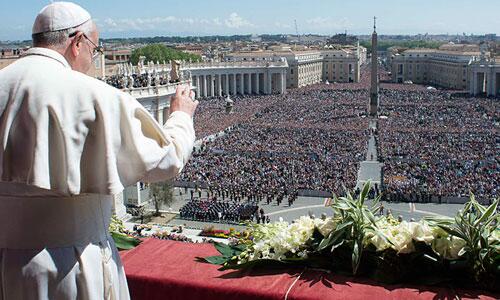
276	240
473	238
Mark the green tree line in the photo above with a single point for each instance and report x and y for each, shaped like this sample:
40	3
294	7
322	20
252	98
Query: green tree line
180	39
159	52
384	45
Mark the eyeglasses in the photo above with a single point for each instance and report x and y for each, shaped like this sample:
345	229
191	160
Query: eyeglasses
96	51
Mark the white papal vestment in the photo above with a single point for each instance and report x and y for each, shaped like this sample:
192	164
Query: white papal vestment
68	143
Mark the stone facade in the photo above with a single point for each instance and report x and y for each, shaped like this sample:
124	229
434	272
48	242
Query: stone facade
306	67
441	67
238	78
341	65
485	77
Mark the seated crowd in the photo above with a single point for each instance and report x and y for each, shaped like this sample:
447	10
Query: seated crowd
437	145
433	144
313	142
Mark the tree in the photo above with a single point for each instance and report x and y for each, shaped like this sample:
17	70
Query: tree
160	53
410	44
162	193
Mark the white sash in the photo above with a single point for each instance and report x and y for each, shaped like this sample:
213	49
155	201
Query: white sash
50	222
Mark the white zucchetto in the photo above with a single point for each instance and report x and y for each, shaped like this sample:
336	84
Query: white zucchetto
59	16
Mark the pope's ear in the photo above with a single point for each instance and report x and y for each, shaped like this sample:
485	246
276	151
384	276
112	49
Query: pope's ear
76	44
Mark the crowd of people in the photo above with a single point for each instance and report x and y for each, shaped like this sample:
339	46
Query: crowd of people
211	117
275	145
220	211
308	140
435	144
432	143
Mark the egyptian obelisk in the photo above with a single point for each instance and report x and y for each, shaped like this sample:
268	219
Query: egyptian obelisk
373	107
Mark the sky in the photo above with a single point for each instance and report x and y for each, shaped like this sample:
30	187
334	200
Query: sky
141	18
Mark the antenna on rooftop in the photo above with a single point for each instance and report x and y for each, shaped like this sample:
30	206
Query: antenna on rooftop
297	30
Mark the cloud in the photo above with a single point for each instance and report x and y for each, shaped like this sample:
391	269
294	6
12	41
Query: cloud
231	22
328	23
235	21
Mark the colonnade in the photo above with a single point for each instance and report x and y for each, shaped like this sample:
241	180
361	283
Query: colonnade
212	84
485	80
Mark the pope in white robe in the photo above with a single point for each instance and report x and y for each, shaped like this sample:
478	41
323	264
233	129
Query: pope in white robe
68	143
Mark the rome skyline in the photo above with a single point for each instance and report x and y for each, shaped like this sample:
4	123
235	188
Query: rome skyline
223	17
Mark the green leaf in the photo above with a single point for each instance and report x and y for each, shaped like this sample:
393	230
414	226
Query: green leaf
453	232
342	206
487	213
368	215
439	219
216	260
483	253
333	236
382	236
335	246
356	257
476	204
240	247
124	242
364	192
224	249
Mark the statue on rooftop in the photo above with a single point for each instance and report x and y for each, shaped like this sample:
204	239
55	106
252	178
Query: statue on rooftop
140	64
130	81
483	47
124	79
156	80
174	72
148	79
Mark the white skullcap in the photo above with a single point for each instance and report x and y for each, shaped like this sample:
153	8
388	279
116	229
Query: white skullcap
59	16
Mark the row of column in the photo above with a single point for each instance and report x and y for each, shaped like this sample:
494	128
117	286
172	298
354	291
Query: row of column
212	85
309	74
485	82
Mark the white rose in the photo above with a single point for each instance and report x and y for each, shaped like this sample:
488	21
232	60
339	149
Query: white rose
421	232
327	226
380	243
401	238
448	247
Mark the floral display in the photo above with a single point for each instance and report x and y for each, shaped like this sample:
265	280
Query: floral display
166	235
220	233
433	250
122	238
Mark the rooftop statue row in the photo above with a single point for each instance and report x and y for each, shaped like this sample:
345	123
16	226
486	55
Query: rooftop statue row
147	75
